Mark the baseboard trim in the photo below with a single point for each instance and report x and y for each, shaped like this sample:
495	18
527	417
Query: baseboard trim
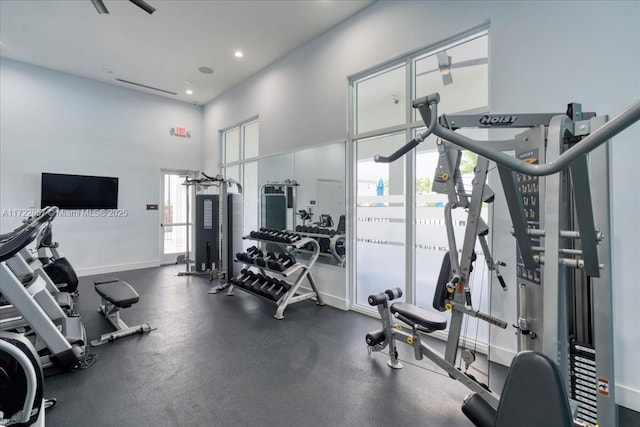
628	397
107	269
332	300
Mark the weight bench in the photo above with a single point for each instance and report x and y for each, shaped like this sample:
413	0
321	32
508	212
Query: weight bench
117	294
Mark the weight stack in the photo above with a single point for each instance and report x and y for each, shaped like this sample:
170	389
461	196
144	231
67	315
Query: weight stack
206	229
584	381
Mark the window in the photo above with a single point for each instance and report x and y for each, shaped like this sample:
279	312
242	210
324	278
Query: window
399	227
240	149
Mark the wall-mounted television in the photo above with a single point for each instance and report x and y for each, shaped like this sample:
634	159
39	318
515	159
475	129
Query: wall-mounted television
78	191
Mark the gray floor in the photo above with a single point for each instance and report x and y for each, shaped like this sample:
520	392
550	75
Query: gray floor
217	360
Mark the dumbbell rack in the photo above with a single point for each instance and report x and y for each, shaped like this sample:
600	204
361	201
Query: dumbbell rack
303	272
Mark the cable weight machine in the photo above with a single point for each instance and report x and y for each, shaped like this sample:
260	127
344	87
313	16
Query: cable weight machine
563	272
217	226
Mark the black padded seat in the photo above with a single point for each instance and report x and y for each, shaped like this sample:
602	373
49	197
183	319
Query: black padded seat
412	314
119	293
105	279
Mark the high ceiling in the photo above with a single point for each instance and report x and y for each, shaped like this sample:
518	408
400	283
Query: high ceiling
165	50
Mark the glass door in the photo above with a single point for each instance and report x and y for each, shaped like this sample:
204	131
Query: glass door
174	223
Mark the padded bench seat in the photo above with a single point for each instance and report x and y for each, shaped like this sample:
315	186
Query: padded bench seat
119	293
412	314
105	279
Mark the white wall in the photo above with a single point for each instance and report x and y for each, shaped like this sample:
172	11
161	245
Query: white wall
543	55
55	122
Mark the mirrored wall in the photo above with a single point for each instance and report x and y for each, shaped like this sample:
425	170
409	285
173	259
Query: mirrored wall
305	191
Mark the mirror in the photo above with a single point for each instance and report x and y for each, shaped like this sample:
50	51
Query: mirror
315	207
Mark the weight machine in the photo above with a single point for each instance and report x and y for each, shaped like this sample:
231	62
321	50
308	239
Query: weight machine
563	257
278	205
218	225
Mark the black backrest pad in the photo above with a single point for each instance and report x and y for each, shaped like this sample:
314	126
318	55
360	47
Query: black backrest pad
120	294
534	394
444	277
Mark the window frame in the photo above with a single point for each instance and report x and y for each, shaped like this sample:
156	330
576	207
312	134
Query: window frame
409	127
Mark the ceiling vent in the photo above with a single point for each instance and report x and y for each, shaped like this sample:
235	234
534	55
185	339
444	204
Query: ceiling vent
146	86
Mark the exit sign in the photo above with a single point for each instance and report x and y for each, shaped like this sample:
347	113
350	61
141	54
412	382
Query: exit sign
180	131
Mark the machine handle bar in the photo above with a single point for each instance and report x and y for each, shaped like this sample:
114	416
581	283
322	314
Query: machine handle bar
428	100
26	234
427	106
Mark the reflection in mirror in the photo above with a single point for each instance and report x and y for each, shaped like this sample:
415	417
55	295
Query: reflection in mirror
316	206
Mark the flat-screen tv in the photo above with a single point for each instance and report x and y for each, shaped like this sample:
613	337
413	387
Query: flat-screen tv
79	191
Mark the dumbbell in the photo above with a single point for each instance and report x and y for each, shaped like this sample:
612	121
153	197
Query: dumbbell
269	289
282	263
282	237
253	253
253	250
255	282
287	260
274	235
261	261
246	279
277	291
241	256
291	237
298	228
249	256
263	234
263	286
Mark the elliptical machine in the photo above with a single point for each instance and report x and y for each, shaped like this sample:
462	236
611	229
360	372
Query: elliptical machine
21	383
55	264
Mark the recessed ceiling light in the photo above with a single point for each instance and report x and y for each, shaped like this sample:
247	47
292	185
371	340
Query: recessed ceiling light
188	92
205	70
238	54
